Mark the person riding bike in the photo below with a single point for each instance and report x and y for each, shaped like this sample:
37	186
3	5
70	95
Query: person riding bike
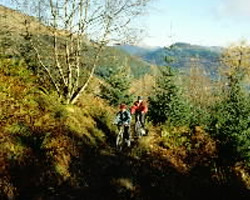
123	118
139	108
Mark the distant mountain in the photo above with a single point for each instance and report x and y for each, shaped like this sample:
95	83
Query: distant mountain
136	50
180	55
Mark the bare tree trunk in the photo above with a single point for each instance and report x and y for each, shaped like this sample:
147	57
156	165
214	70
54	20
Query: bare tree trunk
73	24
77	94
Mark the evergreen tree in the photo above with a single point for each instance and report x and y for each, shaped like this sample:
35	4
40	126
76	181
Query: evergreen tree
116	87
166	102
230	124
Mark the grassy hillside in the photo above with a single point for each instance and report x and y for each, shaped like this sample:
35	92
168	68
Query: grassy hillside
13	43
13	30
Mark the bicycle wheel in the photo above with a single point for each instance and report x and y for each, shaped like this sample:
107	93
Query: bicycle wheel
119	139
138	127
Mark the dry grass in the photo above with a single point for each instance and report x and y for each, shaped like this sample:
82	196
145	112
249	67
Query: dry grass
196	148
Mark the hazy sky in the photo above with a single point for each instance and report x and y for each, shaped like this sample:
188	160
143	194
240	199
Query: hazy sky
203	22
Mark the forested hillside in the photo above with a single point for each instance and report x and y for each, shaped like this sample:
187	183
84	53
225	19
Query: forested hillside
60	91
182	56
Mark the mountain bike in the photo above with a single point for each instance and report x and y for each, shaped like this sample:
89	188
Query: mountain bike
120	140
139	130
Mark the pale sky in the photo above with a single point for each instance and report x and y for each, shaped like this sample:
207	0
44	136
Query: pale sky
202	22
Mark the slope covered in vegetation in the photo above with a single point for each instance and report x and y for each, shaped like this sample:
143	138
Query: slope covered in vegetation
13	40
197	144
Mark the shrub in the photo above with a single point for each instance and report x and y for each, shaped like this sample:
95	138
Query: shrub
230	123
116	88
167	105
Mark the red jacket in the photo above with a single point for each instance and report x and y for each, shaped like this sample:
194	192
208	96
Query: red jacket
139	107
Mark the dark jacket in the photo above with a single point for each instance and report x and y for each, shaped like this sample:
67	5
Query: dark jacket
123	118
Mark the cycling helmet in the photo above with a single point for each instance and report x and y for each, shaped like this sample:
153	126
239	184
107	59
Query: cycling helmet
123	106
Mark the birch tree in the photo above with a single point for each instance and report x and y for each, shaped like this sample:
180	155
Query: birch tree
79	31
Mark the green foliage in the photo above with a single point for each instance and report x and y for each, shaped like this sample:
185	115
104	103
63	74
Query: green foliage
169	59
166	102
104	71
116	88
28	54
172	138
199	116
230	123
112	58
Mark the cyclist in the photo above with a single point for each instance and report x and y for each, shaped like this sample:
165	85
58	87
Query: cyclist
123	118
139	108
